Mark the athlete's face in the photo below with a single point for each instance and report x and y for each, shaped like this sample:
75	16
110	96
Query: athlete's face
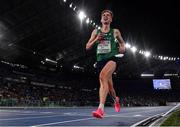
106	18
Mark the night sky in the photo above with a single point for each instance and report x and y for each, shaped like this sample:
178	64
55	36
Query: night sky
149	25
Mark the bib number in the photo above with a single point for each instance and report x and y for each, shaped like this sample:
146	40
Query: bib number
104	47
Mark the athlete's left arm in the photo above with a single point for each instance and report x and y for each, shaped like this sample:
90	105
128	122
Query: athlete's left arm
118	36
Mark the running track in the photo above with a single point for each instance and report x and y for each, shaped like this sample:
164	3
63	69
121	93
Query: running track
76	116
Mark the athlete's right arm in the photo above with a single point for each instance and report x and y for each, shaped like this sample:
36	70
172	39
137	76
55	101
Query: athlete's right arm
94	37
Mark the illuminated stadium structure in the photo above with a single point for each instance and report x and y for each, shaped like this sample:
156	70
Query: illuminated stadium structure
47	74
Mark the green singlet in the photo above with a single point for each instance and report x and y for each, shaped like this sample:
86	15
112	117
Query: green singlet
107	47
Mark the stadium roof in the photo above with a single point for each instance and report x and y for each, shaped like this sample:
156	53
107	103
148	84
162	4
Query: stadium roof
33	30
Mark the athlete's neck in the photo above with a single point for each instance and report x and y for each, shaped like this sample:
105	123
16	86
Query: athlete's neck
105	28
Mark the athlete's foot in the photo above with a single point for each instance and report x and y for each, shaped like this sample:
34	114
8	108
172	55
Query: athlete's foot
99	113
117	105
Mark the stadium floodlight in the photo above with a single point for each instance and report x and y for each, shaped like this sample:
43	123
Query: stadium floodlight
74	8
76	67
133	49
42	62
49	60
147	54
71	5
141	52
161	57
167	57
173	74
81	15
147	75
127	45
87	20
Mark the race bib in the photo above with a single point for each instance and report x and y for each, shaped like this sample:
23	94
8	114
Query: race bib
104	47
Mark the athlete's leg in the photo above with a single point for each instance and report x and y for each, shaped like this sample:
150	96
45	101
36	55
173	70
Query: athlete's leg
104	76
111	88
113	95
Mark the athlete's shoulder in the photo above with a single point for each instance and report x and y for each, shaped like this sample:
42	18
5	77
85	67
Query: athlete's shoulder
95	31
116	30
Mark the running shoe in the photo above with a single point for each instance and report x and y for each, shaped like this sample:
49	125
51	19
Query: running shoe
99	113
117	105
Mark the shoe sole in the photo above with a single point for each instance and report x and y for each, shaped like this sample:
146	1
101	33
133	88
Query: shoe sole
117	109
97	115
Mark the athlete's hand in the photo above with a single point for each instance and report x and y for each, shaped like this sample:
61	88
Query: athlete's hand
99	37
122	48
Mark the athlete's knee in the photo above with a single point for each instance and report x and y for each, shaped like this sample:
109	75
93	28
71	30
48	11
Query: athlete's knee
104	87
103	76
111	88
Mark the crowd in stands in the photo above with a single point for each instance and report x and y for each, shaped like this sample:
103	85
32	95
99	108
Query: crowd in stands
20	87
34	95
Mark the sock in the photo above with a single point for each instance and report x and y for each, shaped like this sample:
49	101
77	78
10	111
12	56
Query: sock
101	106
114	99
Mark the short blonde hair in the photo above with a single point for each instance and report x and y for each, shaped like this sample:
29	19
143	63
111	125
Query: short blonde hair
107	11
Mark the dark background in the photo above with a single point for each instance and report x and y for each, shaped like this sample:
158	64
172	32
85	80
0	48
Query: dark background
33	30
